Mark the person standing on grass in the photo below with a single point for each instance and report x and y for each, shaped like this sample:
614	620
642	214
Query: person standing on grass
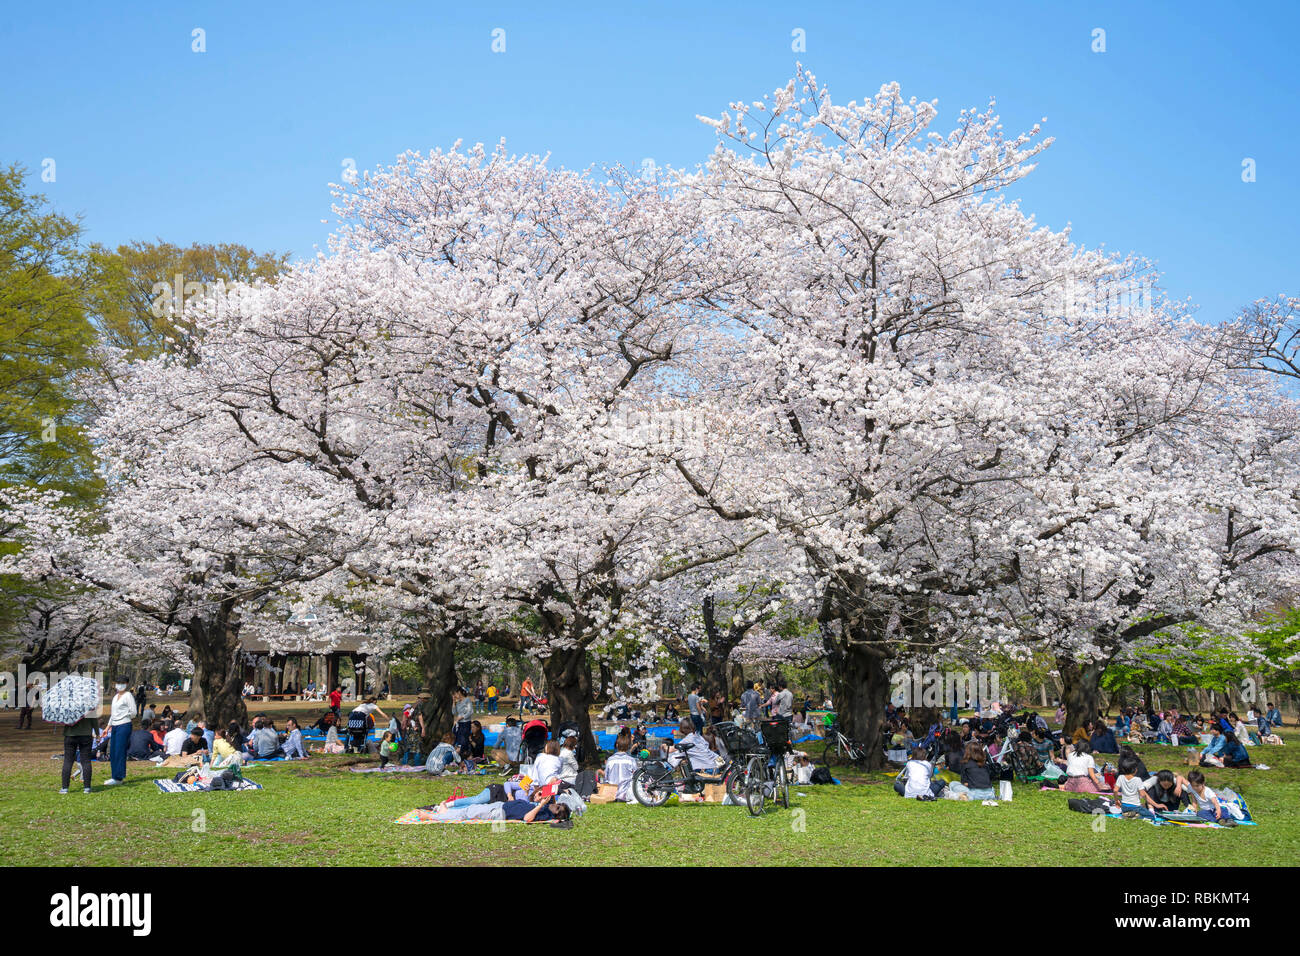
119	739
336	700
491	698
78	742
693	708
750	701
25	713
462	709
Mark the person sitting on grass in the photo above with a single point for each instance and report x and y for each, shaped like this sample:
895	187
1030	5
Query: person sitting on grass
333	745
620	766
1044	746
1206	801
1245	732
569	757
477	744
143	745
264	743
195	744
1167	791
1103	741
444	756
1129	788
976	782
1234	752
1127	751
294	749
223	752
917	780
1212	754
1081	770
548	764
511	739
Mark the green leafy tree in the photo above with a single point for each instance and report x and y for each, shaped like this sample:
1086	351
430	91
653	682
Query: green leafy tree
141	289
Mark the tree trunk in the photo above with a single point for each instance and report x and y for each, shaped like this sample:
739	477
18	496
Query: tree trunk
606	679
438	665
216	690
861	681
569	693
715	671
1148	698
1081	690
114	659
737	680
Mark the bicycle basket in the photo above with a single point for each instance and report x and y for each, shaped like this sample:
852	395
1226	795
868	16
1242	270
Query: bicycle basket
776	735
738	740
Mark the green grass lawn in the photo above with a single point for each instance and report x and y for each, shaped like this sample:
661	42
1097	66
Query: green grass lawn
319	813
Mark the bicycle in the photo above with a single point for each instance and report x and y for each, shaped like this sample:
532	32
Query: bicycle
842	749
765	773
655	780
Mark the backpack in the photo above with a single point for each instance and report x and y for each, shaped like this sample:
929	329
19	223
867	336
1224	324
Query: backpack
1088	805
822	775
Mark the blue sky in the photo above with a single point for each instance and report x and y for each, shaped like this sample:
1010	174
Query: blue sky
152	140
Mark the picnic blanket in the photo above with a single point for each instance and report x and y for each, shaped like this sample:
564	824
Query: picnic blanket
171	786
427	816
391	768
1180	818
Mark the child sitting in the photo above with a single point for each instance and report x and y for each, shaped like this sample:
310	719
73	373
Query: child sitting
1133	796
1206	801
917	780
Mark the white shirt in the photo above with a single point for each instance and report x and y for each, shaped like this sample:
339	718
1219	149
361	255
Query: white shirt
918	778
123	709
1078	765
619	769
568	765
173	740
546	768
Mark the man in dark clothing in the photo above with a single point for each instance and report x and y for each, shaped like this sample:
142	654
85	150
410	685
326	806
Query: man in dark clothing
141	745
195	743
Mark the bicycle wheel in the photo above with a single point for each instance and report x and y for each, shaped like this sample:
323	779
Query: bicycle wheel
831	753
736	782
651	789
755	786
782	784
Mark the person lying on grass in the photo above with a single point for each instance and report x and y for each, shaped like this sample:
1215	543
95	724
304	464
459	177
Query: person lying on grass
523	810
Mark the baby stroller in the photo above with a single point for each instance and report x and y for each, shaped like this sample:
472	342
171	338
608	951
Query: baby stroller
536	733
359	723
